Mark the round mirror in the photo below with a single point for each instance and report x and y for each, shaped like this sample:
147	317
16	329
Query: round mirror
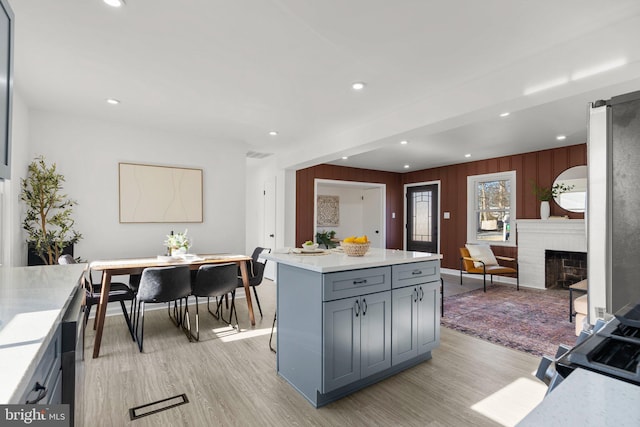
570	189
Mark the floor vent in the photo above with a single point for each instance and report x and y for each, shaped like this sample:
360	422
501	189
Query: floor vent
158	406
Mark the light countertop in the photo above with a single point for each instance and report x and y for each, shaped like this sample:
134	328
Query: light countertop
586	398
32	302
333	260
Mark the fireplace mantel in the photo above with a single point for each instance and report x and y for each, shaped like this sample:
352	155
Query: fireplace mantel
536	235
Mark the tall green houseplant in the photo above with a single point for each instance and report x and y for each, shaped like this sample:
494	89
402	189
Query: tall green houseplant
48	221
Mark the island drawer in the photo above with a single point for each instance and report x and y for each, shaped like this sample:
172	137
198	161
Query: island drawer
345	284
414	273
43	386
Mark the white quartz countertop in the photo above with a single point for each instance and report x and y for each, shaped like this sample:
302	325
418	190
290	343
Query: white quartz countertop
586	398
333	260
32	300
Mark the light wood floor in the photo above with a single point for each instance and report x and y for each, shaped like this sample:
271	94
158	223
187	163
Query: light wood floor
230	380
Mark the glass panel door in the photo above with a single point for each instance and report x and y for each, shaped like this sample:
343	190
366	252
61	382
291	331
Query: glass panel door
422	218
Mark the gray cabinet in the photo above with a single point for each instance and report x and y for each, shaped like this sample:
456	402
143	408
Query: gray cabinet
356	338
337	330
415	320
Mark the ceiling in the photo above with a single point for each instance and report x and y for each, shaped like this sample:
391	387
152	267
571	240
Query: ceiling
437	73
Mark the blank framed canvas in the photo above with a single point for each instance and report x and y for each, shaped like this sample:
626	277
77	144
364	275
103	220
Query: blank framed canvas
151	193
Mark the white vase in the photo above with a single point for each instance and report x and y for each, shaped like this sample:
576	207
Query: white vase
544	209
178	251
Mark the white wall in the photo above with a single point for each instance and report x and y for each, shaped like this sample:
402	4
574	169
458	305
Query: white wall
351	210
14	248
87	153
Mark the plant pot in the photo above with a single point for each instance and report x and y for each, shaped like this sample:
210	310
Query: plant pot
34	259
178	251
544	209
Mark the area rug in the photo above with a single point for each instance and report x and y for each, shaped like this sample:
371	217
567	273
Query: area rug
535	321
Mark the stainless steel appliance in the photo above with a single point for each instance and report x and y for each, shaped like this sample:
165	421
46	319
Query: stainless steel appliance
613	222
613	349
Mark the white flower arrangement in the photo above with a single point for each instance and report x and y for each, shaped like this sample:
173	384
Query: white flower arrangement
177	241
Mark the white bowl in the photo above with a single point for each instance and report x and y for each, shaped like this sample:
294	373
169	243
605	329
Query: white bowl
310	247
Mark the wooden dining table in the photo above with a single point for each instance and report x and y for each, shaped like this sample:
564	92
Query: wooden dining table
116	267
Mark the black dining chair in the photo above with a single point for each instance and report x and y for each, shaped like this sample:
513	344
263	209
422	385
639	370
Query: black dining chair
118	292
256	272
216	280
169	285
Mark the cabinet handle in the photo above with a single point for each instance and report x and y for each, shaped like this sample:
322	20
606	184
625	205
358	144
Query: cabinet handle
364	307
416	272
42	392
415	293
360	282
421	293
357	308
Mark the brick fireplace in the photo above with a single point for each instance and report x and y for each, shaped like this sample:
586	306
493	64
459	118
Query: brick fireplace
535	237
564	268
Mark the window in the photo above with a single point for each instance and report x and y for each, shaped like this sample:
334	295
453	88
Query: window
491	208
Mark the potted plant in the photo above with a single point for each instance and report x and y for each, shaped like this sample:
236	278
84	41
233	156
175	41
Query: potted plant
545	194
325	238
48	220
177	243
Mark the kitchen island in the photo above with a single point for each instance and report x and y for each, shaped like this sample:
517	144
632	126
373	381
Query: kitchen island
347	322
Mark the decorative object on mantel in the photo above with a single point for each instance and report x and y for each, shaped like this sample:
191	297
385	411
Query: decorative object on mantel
48	221
545	194
328	209
177	244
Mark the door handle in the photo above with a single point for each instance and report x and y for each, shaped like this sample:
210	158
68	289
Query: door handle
271	235
415	293
364	307
421	293
357	305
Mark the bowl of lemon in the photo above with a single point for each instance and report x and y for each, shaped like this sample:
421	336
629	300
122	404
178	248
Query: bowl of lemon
355	246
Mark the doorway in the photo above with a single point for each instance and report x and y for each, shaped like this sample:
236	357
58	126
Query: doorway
360	208
422	221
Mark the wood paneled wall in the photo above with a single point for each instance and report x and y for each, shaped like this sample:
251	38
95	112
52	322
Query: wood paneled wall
305	179
540	166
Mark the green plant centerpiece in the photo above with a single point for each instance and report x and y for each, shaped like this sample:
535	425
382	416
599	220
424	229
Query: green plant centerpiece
177	243
48	220
326	238
545	194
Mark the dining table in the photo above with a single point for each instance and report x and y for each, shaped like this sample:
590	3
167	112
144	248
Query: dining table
129	266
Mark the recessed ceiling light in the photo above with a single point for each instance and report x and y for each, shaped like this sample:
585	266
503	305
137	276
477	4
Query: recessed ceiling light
114	3
344	157
358	86
505	114
113	101
561	137
273	133
467	155
404	142
406	166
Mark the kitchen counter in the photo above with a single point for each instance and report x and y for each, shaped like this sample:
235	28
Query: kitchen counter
587	398
32	302
334	260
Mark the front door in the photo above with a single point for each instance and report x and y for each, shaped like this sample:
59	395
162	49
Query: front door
422	218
